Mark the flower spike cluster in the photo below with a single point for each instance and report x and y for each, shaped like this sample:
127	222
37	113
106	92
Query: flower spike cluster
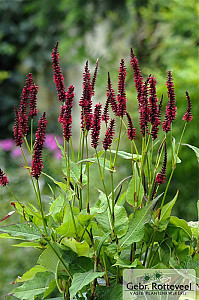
105	115
121	96
37	163
131	129
25	96
171	109
153	108
86	101
3	178
65	117
96	125
109	135
33	101
188	115
17	129
94	78
143	109
161	177
138	79
57	75
111	96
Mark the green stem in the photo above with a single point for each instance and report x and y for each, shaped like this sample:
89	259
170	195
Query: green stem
73	219
82	156
24	157
41	207
109	207
31	140
118	143
87	168
68	165
72	150
173	166
60	258
26	142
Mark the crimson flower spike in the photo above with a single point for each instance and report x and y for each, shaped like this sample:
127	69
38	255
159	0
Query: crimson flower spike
37	163
171	109
131	129
188	115
138	79
26	93
161	177
86	100
111	94
121	96
109	135
65	117
57	75
105	115
17	129
3	178
144	110
153	108
33	101
94	78
96	125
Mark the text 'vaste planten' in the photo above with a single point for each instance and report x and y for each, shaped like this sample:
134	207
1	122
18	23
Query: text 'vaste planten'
87	243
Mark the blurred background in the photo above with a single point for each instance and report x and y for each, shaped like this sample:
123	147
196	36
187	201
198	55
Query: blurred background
163	34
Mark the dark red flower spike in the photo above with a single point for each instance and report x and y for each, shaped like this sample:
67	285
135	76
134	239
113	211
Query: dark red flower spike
3	178
161	177
131	129
17	129
109	135
121	96
188	115
96	125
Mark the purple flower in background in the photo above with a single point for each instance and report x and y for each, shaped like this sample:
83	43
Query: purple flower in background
50	142
6	144
57	155
16	152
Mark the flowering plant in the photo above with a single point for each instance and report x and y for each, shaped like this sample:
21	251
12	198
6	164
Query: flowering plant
86	244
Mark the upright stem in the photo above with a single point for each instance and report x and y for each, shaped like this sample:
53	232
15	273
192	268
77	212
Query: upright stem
26	142
87	168
82	156
24	157
118	143
173	166
41	207
72	150
31	140
73	219
68	165
109	207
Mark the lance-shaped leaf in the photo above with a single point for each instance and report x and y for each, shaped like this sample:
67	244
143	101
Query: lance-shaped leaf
27	230
81	248
49	259
82	279
132	188
195	149
127	155
34	287
166	212
135	231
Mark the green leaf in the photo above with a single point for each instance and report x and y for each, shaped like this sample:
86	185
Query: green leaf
179	230
34	287
49	259
127	264
7	236
109	292
27	230
135	231
82	279
195	149
74	172
31	273
81	248
121	220
166	212
27	244
102	240
57	208
76	263
195	229
62	185
93	160
127	155
131	192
